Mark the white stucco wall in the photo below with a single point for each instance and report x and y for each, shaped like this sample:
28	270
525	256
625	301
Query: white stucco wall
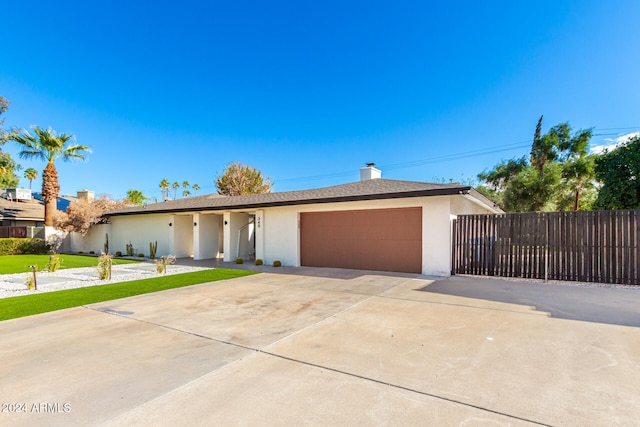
282	237
183	230
275	230
140	230
206	237
463	205
93	241
436	236
238	235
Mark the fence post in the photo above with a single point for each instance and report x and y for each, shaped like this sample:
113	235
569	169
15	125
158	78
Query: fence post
454	244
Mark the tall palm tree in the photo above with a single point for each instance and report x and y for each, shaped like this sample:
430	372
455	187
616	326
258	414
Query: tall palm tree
175	187
195	187
48	146
31	174
164	187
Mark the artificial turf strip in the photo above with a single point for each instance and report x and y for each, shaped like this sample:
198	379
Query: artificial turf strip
27	305
10	264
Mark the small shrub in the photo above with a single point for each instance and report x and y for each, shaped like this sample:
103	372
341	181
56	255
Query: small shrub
140	255
161	267
28	281
259	261
277	263
161	264
129	249
106	243
80	252
118	253
239	260
104	266
54	262
92	252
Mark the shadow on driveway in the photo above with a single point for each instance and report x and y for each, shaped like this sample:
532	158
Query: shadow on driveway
616	306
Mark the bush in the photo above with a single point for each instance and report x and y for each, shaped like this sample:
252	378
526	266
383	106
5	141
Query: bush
259	262
54	263
92	252
277	263
118	253
15	246
239	260
140	255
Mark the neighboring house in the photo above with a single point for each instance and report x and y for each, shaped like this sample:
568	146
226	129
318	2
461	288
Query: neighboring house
20	218
62	203
373	224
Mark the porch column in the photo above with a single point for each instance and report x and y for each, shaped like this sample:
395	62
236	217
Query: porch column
226	224
172	232
259	234
196	236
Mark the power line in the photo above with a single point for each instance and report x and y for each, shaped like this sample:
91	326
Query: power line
446	157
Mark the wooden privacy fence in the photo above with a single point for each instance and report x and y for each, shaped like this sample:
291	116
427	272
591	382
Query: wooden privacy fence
585	246
15	232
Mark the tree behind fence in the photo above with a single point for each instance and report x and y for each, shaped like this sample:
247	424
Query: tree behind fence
586	246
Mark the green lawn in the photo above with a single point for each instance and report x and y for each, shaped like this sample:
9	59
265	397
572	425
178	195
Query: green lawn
20	263
27	305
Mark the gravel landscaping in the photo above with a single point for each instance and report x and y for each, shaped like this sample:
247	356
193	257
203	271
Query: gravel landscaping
12	285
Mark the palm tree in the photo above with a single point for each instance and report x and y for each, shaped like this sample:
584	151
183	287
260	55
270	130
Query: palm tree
136	197
175	187
48	146
164	186
31	174
195	187
185	185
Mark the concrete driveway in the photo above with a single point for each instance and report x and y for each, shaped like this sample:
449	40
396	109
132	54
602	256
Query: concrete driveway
315	347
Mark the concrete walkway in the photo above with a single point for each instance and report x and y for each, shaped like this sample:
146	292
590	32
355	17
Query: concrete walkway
315	347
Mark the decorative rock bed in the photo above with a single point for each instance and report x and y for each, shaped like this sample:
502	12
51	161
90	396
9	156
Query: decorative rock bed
12	285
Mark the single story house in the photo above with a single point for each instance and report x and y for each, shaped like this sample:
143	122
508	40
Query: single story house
372	224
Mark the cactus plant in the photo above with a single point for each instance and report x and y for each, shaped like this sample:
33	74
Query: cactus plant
153	248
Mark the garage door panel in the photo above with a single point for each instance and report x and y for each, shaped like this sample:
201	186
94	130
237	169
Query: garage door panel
380	239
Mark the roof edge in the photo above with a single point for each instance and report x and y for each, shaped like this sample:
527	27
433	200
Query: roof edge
356	198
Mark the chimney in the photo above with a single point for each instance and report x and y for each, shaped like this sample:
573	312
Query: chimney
370	172
86	195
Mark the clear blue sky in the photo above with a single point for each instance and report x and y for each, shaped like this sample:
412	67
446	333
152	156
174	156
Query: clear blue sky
310	91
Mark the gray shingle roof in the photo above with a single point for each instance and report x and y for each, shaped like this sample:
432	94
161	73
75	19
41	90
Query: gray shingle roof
374	189
23	210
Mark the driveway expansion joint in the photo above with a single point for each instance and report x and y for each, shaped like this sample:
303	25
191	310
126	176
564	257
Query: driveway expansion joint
314	365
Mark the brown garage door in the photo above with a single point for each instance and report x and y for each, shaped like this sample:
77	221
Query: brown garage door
377	239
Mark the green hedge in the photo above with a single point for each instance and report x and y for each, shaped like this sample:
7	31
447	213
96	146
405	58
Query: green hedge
12	246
